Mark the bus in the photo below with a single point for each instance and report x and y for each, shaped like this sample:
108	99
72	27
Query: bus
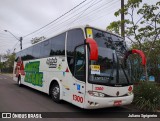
85	66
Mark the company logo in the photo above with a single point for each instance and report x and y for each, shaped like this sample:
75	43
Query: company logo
117	93
52	62
99	88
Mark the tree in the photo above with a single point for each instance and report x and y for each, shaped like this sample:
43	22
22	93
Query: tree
7	66
145	29
153	61
1	66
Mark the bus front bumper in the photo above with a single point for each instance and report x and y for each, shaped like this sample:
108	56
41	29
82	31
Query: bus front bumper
92	102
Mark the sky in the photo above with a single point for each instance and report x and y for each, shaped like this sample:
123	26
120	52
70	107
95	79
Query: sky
22	17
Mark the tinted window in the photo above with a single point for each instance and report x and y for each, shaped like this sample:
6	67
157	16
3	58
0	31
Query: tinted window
114	37
74	38
29	53
45	48
18	54
23	54
58	45
36	51
110	70
79	65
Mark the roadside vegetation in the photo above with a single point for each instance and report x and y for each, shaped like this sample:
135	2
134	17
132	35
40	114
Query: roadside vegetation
6	66
147	96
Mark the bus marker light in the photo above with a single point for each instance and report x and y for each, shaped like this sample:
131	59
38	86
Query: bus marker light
130	88
67	70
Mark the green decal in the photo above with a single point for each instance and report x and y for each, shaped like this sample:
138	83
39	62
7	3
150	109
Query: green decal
33	75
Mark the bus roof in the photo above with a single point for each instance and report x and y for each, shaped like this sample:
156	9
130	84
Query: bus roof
76	27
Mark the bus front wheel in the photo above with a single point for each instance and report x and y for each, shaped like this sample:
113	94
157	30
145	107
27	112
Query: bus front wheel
55	93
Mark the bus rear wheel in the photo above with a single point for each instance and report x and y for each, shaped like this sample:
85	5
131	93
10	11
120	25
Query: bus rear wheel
55	93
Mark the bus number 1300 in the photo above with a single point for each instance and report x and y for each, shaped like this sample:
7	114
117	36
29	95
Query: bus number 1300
78	98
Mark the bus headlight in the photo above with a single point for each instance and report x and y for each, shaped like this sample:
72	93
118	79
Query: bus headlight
96	94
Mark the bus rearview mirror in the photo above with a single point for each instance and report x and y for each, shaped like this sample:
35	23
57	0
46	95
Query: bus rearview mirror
135	51
93	48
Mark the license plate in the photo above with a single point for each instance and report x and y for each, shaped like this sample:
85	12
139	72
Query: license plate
117	102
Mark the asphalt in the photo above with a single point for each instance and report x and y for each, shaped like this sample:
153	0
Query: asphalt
24	99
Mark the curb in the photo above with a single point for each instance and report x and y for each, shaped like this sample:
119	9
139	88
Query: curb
9	75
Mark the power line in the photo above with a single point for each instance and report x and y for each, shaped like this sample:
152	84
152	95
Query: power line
55	19
65	21
63	18
101	15
84	11
74	16
99	9
14	47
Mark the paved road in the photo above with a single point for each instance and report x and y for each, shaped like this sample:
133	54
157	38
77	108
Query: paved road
25	99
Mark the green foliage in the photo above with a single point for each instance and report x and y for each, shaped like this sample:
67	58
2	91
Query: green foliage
1	65
147	96
7	66
153	58
142	32
137	69
145	28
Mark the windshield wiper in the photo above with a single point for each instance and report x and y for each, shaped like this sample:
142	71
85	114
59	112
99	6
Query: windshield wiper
111	74
124	73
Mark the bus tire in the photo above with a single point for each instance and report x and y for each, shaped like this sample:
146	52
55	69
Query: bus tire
19	81
55	92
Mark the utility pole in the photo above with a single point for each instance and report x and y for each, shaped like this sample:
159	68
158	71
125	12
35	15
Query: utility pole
122	19
21	42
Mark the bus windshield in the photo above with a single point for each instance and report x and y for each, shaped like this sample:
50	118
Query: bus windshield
109	69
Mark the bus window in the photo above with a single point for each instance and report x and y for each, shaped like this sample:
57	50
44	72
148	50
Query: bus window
24	53
46	47
29	53
79	67
36	51
58	45
75	37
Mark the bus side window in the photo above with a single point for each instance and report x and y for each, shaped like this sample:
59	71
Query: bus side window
79	67
75	37
45	48
58	45
36	51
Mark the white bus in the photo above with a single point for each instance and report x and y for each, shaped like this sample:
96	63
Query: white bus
85	66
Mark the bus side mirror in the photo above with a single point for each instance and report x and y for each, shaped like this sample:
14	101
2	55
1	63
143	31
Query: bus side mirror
135	51
93	48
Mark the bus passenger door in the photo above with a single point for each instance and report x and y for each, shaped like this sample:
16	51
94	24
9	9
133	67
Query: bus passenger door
79	76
